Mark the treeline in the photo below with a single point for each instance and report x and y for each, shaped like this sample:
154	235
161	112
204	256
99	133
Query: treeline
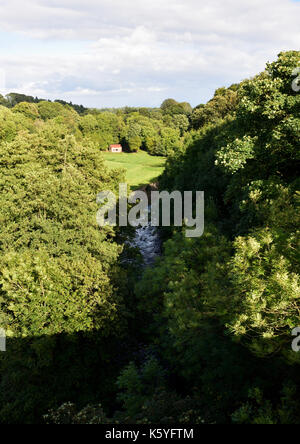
13	99
159	131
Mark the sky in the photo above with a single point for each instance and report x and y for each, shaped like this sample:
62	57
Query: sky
113	53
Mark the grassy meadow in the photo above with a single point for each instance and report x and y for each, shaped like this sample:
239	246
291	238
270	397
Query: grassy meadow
141	167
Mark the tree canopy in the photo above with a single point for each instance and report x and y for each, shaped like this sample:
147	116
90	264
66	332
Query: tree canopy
203	336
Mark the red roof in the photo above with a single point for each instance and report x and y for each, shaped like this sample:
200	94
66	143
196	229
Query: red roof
115	146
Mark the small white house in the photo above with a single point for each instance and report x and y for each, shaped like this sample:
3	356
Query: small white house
115	148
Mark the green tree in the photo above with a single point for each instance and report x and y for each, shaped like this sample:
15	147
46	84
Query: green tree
60	273
29	110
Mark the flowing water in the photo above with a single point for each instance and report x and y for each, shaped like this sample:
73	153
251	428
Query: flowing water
147	240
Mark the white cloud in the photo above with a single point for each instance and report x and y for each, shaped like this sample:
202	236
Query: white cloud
117	52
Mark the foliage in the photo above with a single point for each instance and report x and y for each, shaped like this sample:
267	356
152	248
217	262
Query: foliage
205	334
68	414
223	103
59	272
240	281
172	107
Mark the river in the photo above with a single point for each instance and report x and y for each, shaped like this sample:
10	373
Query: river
147	240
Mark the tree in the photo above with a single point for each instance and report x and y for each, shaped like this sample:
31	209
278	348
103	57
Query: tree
170	106
135	143
59	273
49	110
29	110
223	103
232	296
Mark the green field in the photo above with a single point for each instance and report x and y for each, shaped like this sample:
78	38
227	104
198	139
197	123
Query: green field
141	167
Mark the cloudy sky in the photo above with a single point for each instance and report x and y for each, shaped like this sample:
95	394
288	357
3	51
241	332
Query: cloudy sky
136	52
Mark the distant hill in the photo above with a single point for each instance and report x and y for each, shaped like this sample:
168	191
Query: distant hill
12	99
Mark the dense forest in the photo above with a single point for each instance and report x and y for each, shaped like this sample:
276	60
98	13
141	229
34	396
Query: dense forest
204	335
158	131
